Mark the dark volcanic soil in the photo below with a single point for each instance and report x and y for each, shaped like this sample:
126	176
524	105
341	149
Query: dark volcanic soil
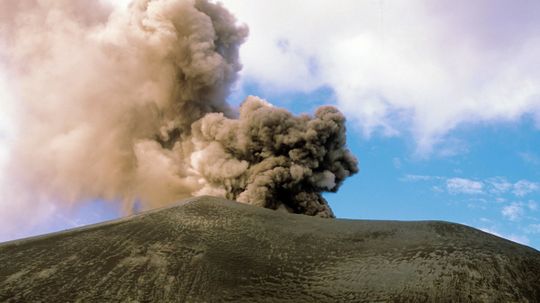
213	250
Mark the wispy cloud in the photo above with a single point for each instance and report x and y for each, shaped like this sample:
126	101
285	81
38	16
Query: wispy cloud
493	195
499	185
416	178
517	210
464	186
533	229
524	187
485	220
530	158
495	186
513	211
477	203
500	199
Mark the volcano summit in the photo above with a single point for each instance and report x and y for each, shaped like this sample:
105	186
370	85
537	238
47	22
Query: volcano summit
209	249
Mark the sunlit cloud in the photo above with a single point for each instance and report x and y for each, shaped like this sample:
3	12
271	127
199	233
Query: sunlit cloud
400	67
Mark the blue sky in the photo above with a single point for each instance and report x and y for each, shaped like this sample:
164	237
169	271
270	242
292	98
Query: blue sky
442	101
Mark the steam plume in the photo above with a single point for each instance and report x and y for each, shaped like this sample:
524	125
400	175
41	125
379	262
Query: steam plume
131	106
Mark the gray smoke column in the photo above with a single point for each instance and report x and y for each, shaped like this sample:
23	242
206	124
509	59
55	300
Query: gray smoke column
130	106
271	158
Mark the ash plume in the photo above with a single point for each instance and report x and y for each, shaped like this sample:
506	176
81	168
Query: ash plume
130	106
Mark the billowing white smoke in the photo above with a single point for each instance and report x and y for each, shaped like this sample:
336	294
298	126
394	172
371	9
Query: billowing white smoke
130	105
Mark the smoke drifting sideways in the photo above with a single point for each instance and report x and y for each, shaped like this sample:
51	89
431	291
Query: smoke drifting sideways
130	105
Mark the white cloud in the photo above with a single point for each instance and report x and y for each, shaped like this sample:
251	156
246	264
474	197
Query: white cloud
397	66
524	187
499	185
464	186
496	187
513	211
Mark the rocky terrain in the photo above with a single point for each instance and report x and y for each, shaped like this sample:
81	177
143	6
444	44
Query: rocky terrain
213	250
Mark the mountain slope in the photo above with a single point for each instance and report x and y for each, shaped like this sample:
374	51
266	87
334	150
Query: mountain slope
212	250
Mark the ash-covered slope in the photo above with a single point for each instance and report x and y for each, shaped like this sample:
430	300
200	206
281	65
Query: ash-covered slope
213	250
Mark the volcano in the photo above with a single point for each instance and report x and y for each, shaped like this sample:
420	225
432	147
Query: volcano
209	249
